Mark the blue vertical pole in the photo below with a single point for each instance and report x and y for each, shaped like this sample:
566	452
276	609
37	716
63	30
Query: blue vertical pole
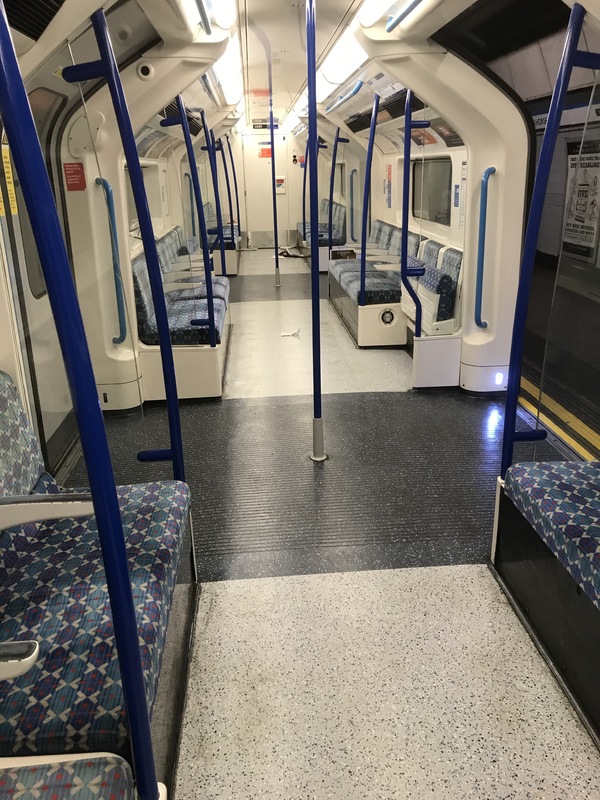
405	204
352	174
532	234
35	184
182	120
212	160
108	69
338	139
318	449
304	182
228	187
274	179
366	195
235	185
191	188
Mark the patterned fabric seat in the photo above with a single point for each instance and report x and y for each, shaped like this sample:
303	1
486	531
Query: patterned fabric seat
53	590
380	286
93	778
179	311
338	226
561	501
443	282
220	289
341	266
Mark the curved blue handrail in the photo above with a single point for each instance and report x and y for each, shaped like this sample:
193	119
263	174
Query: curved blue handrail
393	22
405	272
336	142
212	160
532	232
235	184
114	244
366	194
191	188
228	188
481	246
352	174
40	201
106	67
344	99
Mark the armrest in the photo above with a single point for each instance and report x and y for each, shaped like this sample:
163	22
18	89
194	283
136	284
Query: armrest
194	259
182	275
17	658
387	259
179	287
22	509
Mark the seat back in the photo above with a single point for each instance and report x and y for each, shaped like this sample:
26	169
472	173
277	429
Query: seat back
395	243
430	251
144	307
21	463
414	242
381	233
451	265
168	247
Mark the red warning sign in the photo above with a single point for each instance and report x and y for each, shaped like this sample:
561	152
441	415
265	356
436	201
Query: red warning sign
74	176
264	152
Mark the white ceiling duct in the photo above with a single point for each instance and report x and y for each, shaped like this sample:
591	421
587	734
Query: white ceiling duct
345	57
228	70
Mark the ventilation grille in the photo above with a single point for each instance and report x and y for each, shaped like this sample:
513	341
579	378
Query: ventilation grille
31	17
394	105
173	111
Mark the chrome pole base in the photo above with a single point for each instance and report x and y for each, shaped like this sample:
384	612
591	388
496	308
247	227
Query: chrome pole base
318	451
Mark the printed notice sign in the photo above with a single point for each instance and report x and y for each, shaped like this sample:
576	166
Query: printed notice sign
74	176
583	185
10	183
463	195
389	186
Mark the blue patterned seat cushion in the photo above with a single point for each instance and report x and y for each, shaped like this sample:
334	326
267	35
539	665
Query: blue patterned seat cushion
337	233
94	778
561	501
21	462
53	590
380	286
340	266
220	289
443	285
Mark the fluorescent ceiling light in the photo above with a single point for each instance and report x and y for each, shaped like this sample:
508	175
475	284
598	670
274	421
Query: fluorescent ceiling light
324	87
228	70
301	106
345	58
291	122
222	12
371	11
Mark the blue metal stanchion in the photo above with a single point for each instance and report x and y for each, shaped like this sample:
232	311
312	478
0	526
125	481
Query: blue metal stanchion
407	272
228	188
352	174
191	188
570	58
35	184
235	185
106	67
304	182
318	448
114	244
212	160
181	119
274	178
481	246
366	195
338	140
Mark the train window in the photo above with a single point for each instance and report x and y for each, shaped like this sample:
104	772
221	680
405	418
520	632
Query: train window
432	189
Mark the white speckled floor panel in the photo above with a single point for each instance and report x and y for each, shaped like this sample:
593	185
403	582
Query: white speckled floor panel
412	684
262	262
264	363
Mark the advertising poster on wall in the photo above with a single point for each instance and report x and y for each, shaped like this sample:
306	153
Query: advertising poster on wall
583	196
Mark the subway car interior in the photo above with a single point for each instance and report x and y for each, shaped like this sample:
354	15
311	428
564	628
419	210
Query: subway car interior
299	399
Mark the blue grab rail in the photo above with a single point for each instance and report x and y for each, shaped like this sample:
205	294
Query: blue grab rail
228	188
35	184
405	271
344	98
318	449
235	184
338	140
352	174
570	57
106	67
181	119
366	195
304	182
212	160
393	22
191	188
481	245
114	244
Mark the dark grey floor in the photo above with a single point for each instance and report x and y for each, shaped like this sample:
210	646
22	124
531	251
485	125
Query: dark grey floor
410	481
262	287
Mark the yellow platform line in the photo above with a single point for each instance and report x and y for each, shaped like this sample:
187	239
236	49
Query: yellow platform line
586	433
549	423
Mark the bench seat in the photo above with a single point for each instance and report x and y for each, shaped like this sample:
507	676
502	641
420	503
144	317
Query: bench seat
53	590
220	289
99	776
561	501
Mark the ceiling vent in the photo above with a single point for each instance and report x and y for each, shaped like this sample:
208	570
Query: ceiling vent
394	105
172	110
31	17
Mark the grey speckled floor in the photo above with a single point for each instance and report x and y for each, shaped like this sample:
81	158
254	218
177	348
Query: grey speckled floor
412	684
